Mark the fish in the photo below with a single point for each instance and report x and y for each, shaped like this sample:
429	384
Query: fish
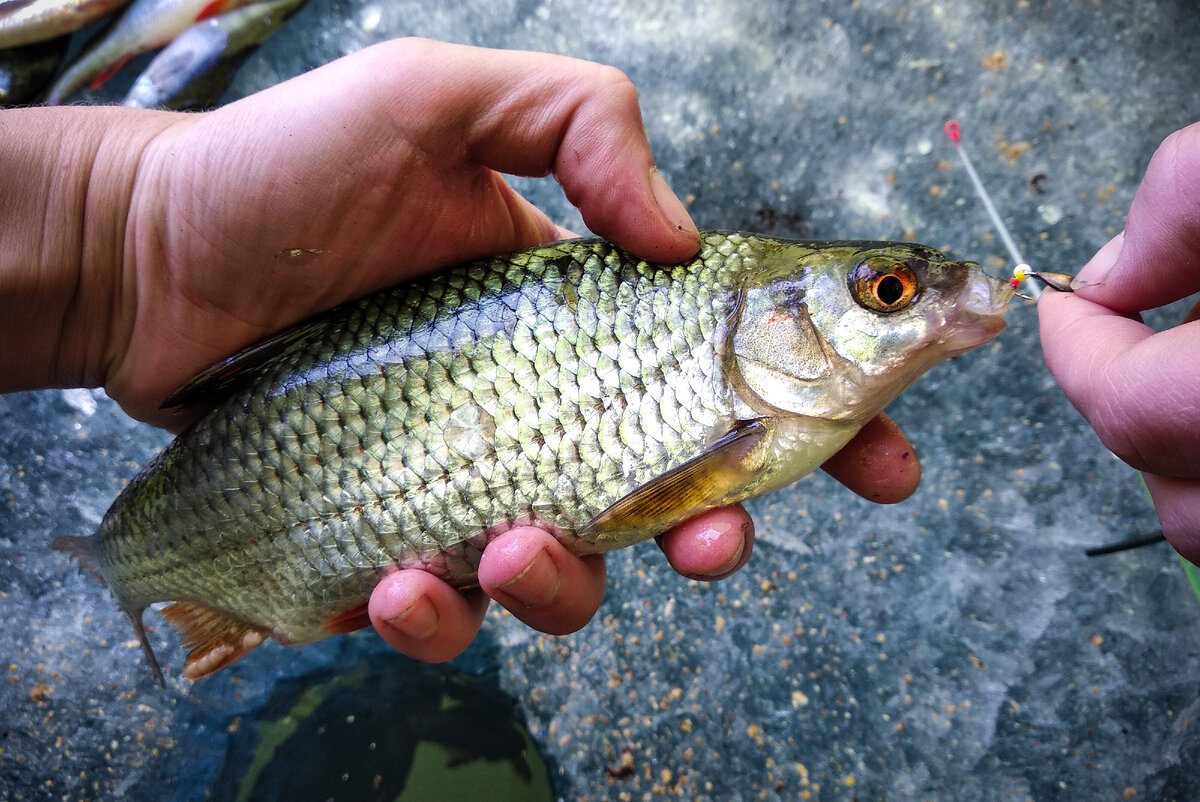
195	68
26	70
571	385
26	22
144	26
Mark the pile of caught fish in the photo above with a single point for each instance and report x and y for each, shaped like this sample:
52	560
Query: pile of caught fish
203	42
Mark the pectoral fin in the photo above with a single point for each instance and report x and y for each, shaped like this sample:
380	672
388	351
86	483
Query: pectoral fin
716	476
213	639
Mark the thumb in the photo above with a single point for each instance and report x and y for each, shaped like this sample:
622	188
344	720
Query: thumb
1157	260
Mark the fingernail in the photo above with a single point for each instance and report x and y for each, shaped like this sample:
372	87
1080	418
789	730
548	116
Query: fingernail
733	561
537	585
1097	269
669	203
418	621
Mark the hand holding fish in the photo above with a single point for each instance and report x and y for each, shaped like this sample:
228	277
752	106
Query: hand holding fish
207	232
1138	388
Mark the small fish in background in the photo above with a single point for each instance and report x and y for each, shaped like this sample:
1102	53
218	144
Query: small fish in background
571	385
194	70
27	70
25	22
146	25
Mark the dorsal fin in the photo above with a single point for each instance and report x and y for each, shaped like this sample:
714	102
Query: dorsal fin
234	372
214	640
108	72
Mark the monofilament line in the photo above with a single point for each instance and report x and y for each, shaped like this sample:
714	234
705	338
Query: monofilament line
954	132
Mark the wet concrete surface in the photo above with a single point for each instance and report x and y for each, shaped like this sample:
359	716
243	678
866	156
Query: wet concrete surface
956	646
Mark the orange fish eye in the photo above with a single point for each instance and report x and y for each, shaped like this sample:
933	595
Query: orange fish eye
883	285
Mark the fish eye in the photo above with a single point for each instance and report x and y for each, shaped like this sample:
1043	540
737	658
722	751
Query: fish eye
883	285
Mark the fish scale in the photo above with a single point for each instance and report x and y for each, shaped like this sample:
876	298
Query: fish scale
571	385
390	533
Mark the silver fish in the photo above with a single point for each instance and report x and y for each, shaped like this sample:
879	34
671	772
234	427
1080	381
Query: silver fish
195	68
146	25
24	22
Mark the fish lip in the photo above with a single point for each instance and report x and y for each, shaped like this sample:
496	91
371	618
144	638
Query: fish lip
985	296
979	315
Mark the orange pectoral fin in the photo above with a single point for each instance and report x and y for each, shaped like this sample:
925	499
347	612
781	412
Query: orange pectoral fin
214	640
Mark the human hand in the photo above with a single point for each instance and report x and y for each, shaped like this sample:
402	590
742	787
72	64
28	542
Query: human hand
374	168
1140	389
378	167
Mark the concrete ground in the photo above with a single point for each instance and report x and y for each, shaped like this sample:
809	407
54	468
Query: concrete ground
956	646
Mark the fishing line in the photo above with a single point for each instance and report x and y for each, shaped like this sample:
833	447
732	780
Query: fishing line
1021	272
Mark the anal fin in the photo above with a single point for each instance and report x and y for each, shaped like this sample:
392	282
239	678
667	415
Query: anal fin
214	640
108	72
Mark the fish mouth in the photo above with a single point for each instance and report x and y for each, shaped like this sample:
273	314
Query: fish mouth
979	314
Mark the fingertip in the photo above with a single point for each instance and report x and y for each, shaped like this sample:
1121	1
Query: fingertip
675	216
421	616
535	577
712	545
879	463
1097	269
644	217
1086	346
607	171
1177	503
519	566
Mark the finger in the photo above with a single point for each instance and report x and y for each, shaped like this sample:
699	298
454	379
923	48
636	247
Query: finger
535	113
1137	388
595	143
1177	502
423	617
536	579
1156	264
879	464
713	545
